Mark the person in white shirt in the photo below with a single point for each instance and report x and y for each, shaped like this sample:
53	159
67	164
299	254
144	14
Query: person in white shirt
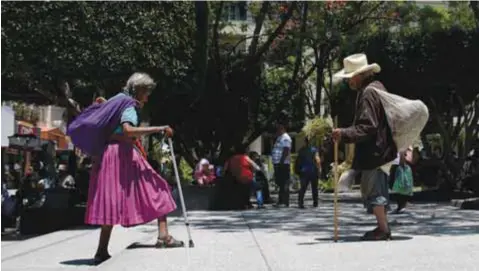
66	180
281	156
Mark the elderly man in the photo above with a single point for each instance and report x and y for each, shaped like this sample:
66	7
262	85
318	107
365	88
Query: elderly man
375	148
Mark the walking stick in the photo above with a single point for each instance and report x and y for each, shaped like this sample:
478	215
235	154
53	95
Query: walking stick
336	184
180	190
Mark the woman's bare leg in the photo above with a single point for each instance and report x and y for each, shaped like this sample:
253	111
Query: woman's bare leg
165	240
162	227
105	234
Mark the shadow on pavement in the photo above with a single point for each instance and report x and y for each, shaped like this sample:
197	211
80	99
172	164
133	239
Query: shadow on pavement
137	245
140	245
80	262
12	235
423	219
350	239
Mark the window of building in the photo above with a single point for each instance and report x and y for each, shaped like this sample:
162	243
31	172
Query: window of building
235	11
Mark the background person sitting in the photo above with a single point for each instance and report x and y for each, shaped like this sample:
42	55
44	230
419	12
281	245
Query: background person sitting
204	173
242	169
66	180
261	177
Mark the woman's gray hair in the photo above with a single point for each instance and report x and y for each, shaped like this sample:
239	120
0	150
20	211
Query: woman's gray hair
138	79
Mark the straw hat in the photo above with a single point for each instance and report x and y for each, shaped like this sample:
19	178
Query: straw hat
356	64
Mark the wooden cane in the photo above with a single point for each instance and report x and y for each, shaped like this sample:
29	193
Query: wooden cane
336	184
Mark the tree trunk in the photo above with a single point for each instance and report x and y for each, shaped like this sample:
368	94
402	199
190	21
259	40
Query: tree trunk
319	92
201	49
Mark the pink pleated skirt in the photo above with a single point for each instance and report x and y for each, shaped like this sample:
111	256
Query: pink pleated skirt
125	190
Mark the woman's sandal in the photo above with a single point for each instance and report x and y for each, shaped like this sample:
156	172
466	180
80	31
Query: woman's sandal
98	259
168	242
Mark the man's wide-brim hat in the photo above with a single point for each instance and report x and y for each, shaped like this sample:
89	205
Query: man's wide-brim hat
356	64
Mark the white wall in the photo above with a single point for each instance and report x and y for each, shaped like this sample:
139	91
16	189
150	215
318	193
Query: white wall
8	124
52	117
257	145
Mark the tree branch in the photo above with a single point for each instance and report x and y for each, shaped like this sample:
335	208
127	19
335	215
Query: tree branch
218	13
201	50
259	25
255	58
459	124
366	17
299	48
474	5
217	57
475	119
272	117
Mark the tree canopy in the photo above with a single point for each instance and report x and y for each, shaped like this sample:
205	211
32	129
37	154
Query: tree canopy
433	59
221	88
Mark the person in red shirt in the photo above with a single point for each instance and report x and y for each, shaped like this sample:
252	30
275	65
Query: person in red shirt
242	168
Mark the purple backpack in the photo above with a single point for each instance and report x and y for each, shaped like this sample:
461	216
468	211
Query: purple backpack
91	129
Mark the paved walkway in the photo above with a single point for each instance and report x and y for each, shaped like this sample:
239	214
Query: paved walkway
429	237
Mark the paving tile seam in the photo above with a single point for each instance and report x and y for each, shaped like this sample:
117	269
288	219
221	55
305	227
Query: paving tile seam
263	255
45	246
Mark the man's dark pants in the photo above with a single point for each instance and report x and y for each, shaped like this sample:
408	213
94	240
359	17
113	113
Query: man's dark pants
282	176
306	179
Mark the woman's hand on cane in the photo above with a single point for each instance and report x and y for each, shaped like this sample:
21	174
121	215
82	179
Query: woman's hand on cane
166	130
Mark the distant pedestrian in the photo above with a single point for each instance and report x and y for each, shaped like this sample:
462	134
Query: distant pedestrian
262	176
281	156
308	167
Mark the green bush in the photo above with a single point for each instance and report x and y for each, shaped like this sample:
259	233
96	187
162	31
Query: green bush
186	172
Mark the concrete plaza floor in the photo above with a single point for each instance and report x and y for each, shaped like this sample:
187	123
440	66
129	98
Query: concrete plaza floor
428	237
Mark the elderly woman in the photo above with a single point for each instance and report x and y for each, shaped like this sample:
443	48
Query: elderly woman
124	189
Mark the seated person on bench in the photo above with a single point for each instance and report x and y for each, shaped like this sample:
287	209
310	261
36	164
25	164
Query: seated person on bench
204	173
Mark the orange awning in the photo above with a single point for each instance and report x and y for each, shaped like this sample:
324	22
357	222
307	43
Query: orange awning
26	124
56	135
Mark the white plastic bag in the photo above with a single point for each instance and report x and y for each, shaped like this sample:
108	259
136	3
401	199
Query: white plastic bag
347	180
406	118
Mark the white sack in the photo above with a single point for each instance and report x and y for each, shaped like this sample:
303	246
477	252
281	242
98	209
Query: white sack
347	180
406	118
